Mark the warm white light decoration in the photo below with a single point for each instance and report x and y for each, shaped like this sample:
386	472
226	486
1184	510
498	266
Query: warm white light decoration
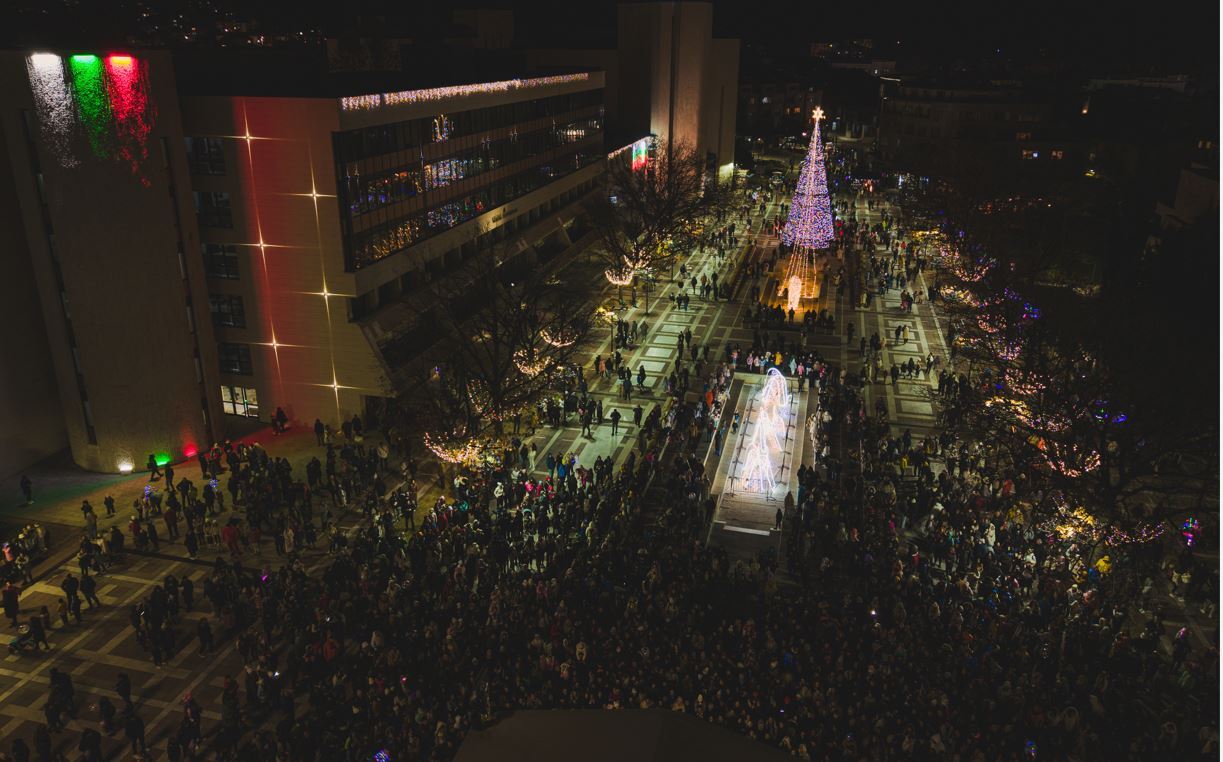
759	476
794	292
619	277
561	339
403	97
768	433
527	366
468	453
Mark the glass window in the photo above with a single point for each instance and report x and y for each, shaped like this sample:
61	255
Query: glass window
220	260
205	156
227	310
213	210
238	400
235	359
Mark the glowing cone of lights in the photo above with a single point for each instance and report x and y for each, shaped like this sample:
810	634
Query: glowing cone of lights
809	225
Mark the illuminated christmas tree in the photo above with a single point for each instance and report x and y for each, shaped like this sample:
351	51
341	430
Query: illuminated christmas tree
809	225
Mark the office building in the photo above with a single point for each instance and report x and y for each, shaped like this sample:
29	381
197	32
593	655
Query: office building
210	242
103	219
668	76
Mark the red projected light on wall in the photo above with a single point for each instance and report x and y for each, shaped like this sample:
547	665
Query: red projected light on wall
190	451
127	88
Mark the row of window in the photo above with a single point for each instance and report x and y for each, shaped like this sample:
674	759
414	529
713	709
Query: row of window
227	310
235	359
213	209
370	245
220	260
239	400
353	145
205	156
363	193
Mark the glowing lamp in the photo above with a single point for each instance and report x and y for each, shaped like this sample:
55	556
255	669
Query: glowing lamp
125	467
119	60
85	59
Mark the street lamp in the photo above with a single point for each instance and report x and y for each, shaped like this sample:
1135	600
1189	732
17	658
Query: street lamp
647	282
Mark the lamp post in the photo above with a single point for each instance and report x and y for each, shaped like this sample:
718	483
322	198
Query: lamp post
647	282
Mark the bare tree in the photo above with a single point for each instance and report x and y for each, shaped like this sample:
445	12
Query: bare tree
504	337
653	214
1072	399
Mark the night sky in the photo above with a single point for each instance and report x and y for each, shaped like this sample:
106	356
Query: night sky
1178	35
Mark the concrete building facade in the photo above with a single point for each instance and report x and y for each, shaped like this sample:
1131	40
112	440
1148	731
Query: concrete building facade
95	160
668	77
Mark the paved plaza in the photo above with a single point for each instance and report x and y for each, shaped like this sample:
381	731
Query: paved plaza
103	645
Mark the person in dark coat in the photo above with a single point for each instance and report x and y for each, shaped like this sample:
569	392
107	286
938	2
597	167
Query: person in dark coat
134	730
12	607
38	633
42	743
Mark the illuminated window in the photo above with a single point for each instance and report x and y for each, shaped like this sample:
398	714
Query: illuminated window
1023	136
235	359
1030	154
227	310
1057	153
238	400
213	210
220	260
205	156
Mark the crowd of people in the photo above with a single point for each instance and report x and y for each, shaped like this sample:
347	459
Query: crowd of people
914	613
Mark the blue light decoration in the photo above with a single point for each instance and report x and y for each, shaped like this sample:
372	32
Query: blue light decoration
1102	413
809	224
1189	530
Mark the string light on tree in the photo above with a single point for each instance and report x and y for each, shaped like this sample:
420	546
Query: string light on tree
809	224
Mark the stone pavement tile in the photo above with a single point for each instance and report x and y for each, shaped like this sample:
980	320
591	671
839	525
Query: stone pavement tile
916	407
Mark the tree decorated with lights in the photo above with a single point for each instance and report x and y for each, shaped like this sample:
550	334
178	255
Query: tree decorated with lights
653	213
503	337
809	225
1070	401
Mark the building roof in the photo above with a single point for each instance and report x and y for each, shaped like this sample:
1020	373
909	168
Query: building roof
303	73
593	735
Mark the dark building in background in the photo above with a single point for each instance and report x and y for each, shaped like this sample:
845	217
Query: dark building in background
941	124
781	86
667	76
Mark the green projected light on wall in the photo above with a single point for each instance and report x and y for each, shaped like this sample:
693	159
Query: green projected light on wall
89	87
161	458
